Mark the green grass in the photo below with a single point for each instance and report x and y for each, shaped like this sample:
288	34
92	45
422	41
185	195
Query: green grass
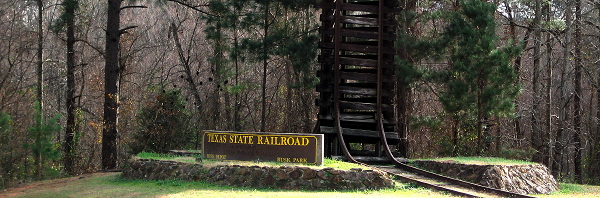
110	185
570	188
327	162
482	160
574	191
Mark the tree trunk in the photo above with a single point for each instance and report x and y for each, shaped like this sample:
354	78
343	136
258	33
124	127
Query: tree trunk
39	55
40	84
217	73
237	103
561	133
517	66
481	120
577	115
550	141
185	62
403	91
111	86
263	116
536	127
71	127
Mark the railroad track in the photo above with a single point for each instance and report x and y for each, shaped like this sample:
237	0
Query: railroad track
357	82
437	182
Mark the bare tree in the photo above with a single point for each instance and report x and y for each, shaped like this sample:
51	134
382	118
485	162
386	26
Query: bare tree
111	85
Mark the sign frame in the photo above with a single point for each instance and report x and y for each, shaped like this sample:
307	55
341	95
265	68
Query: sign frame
301	148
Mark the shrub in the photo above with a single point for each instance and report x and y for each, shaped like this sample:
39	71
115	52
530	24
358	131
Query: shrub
163	124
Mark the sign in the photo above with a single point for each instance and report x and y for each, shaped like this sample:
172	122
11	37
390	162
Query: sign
257	146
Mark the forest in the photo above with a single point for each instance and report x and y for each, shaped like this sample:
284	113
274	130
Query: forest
85	84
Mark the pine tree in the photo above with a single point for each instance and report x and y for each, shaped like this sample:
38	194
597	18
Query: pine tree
480	80
5	149
67	20
278	35
42	146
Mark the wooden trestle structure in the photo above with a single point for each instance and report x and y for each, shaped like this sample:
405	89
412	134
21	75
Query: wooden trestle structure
356	102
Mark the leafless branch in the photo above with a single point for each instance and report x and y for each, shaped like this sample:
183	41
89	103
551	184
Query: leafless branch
193	7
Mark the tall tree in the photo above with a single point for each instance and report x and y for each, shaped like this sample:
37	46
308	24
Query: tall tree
565	96
40	55
577	102
265	60
480	80
67	20
537	143
550	137
111	86
406	71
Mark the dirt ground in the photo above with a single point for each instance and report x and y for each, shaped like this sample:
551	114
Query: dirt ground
17	190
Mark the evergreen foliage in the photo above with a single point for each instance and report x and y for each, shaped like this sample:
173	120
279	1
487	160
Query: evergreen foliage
5	124
480	83
263	34
68	7
302	55
5	136
43	148
163	124
295	42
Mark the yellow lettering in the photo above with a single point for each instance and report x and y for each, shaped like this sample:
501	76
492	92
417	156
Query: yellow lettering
300	160
305	141
283	159
217	138
210	156
232	138
283	140
222	157
260	139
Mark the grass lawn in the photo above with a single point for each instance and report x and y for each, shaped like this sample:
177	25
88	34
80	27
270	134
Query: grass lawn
481	160
109	185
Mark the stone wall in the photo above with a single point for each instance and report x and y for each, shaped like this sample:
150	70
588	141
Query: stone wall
523	179
283	177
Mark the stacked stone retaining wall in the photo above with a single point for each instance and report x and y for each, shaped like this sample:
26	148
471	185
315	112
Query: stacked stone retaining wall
283	177
523	179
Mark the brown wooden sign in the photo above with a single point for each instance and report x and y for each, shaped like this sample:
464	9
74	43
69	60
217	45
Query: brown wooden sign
257	146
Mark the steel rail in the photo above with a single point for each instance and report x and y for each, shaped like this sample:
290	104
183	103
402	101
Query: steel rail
336	83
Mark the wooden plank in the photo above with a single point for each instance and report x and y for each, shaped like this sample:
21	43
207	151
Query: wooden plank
355	105
358	33
388	63
387	3
356	118
386	100
358	7
358	47
365	77
359	132
356	76
359	20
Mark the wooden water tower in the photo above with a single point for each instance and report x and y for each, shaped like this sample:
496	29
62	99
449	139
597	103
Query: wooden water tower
356	92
